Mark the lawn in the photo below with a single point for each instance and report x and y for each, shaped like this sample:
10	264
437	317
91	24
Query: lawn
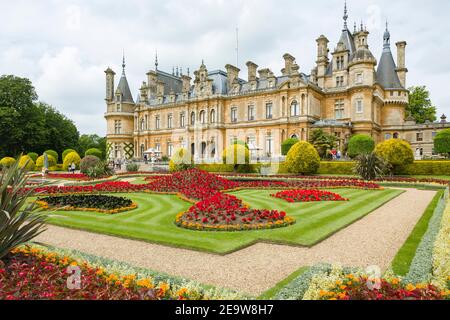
153	220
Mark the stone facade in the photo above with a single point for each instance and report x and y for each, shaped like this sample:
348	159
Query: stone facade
344	94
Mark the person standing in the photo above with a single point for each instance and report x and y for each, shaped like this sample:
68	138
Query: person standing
72	168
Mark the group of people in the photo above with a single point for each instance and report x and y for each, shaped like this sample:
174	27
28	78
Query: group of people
117	164
336	154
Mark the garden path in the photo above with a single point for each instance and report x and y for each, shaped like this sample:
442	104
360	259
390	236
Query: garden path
373	240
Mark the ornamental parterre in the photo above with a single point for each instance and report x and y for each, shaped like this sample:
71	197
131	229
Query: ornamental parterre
308	195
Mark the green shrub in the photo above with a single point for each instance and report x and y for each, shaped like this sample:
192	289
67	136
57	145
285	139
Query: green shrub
360	144
40	162
181	160
442	142
94	152
370	166
287	145
396	152
236	154
26	163
303	159
426	168
132	167
33	156
66	152
88	162
216	167
72	157
336	167
100	170
7	162
53	153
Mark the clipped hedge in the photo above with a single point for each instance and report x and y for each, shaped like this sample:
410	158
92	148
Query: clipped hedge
360	144
72	157
7	162
287	145
181	160
66	152
236	154
53	153
303	159
27	163
216	167
336	167
40	162
33	156
395	151
425	168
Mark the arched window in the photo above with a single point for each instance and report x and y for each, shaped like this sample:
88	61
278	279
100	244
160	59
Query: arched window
396	135
142	124
294	136
202	117
192	118
213	116
295	110
203	149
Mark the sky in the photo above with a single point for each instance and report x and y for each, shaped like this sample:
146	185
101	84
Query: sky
63	46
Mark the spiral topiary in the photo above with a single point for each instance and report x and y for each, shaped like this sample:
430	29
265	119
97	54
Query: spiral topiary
33	156
26	163
72	157
303	159
40	162
7	162
53	153
66	152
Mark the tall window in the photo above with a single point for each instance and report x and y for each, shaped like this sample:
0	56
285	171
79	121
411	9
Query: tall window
359	78
269	114
146	122
142	124
192	118
340	63
359	106
251	113
118	126
119	107
387	136
157	123
233	115
340	81
213	116
169	121
339	109
295	109
419	137
202	117
269	146
182	120
158	147
170	149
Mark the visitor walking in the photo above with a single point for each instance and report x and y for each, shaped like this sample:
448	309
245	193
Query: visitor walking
72	168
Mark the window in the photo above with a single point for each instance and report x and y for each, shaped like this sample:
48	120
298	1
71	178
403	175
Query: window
359	106
170	149
433	134
339	109
157	123
251	113
202	117
233	115
213	116
169	121
269	114
119	107
118	126
182	120
340	81
359	78
295	109
146	122
142	124
192	118
419	137
340	63
158	147
269	146
387	136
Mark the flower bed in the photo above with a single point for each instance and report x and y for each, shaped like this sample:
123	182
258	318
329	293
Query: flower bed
97	203
308	196
67	176
308	184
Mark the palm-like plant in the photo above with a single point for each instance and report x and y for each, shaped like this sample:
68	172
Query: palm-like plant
370	166
18	223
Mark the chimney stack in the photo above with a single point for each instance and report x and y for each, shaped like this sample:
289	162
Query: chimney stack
232	74
401	64
252	68
109	84
289	61
186	83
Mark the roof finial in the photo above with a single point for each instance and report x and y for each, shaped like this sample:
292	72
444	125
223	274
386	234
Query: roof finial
156	60
387	37
355	28
362	26
123	62
345	15
188	72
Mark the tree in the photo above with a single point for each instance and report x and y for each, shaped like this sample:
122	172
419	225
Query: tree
442	142
323	142
303	158
420	106
287	145
89	141
360	144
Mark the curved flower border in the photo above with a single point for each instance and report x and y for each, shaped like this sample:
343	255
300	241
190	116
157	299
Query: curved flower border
45	206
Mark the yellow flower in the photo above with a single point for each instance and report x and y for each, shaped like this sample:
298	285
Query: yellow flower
74	264
349	283
323	293
339	282
342	287
395	281
342	295
410	287
164	287
145	283
421	286
182	291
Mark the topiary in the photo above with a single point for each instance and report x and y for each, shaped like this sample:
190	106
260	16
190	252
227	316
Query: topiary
181	160
94	152
88	162
442	142
40	162
66	152
72	157
7	162
26	163
287	145
396	152
33	156
360	144
53	153
303	159
236	154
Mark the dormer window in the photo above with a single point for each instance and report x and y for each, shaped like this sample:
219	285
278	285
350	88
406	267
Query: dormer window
359	78
340	63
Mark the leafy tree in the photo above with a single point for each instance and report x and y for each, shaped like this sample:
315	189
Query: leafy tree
323	142
442	142
89	141
420	106
94	152
360	144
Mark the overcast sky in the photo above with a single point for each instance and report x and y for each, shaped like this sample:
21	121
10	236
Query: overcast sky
64	46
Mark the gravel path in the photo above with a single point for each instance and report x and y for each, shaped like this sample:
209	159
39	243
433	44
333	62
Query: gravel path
374	240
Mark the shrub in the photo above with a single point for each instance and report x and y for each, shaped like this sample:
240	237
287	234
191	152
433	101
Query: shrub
72	157
303	159
26	163
40	162
100	170
287	145
236	154
216	167
66	152
33	156
132	167
88	162
181	160
336	167
426	168
396	152
94	152
442	142
360	144
369	166
7	162
53	153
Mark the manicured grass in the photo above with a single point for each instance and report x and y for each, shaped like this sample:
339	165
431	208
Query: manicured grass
153	220
269	294
404	257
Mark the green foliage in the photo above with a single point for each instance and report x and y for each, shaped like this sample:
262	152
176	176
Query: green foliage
287	145
236	154
420	106
100	170
18	223
241	143
216	167
360	144
323	142
426	168
87	142
7	162
72	157
396	152
369	166
33	156
303	159
52	153
442	142
100	202
94	152
88	162
132	167
181	160
26	163
66	152
336	167
40	162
